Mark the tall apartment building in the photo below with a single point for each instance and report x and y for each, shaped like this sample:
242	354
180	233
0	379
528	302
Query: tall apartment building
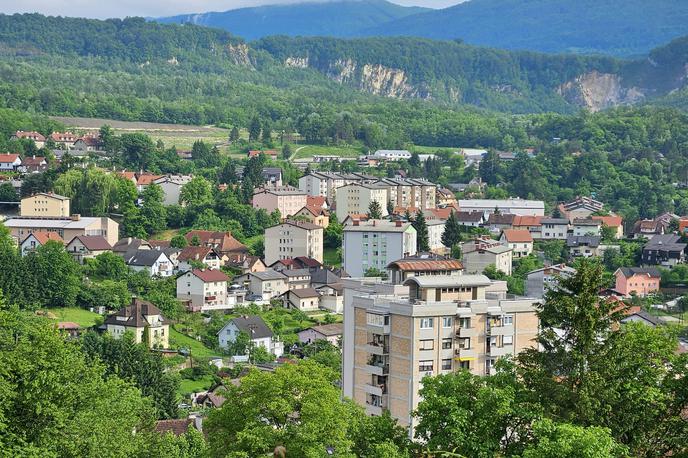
292	239
411	192
355	199
374	244
44	205
325	184
440	324
287	199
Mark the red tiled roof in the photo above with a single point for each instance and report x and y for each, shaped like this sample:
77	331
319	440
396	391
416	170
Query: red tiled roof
609	221
127	175
525	220
33	161
67	325
194	253
45	237
316	201
146	179
64	137
224	242
518	236
176	427
159	243
8	158
32	135
269	152
208	275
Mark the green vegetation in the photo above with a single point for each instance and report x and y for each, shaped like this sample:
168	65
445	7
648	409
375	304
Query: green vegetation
189	386
82	317
198	350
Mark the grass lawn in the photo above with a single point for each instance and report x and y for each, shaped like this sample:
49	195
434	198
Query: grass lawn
331	257
306	151
76	315
198	350
431	149
166	234
187	387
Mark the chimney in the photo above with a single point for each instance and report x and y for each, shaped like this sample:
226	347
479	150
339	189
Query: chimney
398	223
374	223
356	222
76	217
198	423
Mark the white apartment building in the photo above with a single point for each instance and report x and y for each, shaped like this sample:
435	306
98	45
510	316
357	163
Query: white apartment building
506	206
172	187
437	325
292	239
375	244
205	289
325	184
355	199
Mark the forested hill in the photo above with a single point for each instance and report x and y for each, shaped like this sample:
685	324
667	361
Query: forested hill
615	27
347	18
450	73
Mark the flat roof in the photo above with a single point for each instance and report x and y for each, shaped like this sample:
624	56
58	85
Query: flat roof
52	223
433	281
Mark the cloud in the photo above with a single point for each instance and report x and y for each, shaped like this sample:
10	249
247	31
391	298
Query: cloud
153	8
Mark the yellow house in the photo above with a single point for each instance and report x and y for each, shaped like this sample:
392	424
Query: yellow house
45	204
144	320
314	215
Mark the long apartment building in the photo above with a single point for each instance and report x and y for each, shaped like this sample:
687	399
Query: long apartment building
325	184
355	199
411	192
394	335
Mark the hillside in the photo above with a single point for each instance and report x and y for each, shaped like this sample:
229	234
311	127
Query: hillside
615	27
337	19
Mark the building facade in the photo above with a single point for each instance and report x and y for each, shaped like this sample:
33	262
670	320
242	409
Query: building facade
292	239
376	243
45	204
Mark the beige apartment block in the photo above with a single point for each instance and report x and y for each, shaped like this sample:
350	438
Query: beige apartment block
288	200
292	239
44	205
355	199
439	324
66	227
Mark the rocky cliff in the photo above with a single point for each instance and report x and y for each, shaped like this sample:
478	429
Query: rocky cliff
598	91
239	54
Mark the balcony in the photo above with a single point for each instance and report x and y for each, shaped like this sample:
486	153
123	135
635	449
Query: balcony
500	351
377	368
466	332
461	353
376	390
499	330
377	348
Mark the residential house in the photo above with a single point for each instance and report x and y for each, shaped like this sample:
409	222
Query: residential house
293	238
637	281
304	299
143	180
64	139
554	228
130	244
638	315
580	207
84	247
445	197
154	262
204	289
258	332
304	262
504	206
480	253
540	280
231	250
374	244
34	164
664	250
446	324
271	175
423	264
267	284
144	320
648	228
586	226
584	245
67	228
252	264
38	139
297	278
472	156
532	224
498	222
331	297
470	219
171	186
355	198
287	199
271	153
69	328
329	332
10	162
45	204
613	222
87	144
315	215
38	239
190	256
519	240
391	154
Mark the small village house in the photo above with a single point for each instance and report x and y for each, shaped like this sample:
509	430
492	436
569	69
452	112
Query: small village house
84	247
637	281
303	299
519	240
259	334
38	239
144	320
329	332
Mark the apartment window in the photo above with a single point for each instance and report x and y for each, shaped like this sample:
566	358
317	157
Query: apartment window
446	364
507	340
507	320
427	323
425	366
446	344
489	364
427	344
377	320
465	365
465	343
447	322
464	322
493	341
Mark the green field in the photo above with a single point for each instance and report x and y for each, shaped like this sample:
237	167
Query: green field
82	317
306	151
187	387
198	350
331	257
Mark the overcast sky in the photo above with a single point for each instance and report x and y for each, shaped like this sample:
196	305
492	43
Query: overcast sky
154	8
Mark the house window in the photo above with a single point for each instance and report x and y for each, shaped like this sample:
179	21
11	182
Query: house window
447	322
427	344
465	343
465	365
446	344
507	340
425	366
464	323
507	320
426	323
446	364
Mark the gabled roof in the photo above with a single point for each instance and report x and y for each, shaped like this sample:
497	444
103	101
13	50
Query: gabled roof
135	314
194	253
328	330
517	236
555	221
159	243
586	222
254	326
306	262
592	241
525	220
324	276
44	237
506	219
469	217
128	244
631	271
224	242
303	293
210	275
8	158
640	313
665	242
269	274
300	224
176	427
316	201
146	179
93	242
143	258
33	135
289	273
33	161
50	195
609	221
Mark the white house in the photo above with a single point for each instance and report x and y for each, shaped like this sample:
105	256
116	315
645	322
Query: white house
392	154
9	162
304	299
155	262
435	231
38	239
554	228
195	254
330	332
172	187
205	289
258	332
268	284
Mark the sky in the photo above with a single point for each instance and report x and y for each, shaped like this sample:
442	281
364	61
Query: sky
155	8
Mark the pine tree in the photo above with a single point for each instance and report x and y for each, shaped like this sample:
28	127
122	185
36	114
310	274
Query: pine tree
234	134
422	239
266	136
254	129
374	210
452	231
